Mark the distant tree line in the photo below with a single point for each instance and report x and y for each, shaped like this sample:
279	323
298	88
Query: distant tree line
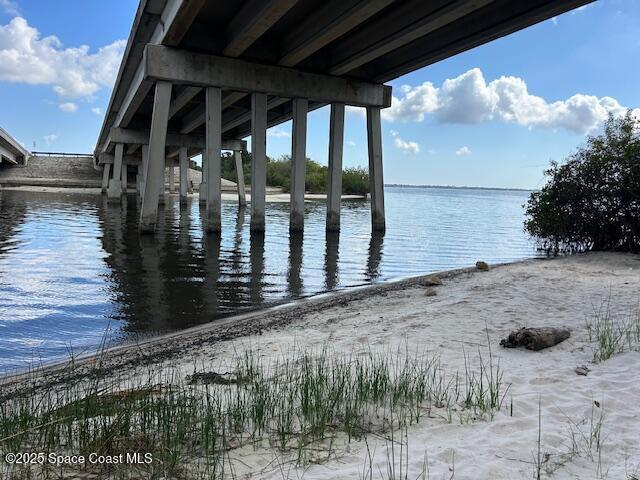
355	181
592	201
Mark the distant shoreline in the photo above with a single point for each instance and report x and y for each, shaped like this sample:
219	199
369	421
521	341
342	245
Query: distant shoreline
514	189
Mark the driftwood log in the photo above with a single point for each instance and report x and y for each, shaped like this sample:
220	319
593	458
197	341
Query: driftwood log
535	338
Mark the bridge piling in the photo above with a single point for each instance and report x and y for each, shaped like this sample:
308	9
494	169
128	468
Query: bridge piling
258	160
143	173
184	174
213	140
114	191
106	170
334	188
376	181
202	193
242	198
298	163
155	165
172	177
124	178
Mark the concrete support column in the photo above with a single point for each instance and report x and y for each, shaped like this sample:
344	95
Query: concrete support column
258	160
213	147
138	180
202	193
106	170
124	179
154	173
298	163
334	190
376	180
162	182
143	173
242	198
184	174
114	192
172	177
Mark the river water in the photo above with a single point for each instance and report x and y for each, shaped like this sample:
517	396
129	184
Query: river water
73	267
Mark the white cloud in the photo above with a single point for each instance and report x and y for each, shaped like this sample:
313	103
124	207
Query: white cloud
404	145
10	7
351	143
278	132
463	151
97	110
26	57
468	98
68	107
49	139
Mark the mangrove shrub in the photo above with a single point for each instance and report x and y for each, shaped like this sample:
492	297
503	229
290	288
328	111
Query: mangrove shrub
592	201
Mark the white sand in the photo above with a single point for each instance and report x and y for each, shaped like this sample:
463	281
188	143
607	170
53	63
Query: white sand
537	293
559	292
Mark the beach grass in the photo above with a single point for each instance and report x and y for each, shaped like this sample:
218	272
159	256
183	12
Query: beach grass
612	334
298	407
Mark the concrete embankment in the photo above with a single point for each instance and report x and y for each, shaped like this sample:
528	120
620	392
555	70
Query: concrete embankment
54	171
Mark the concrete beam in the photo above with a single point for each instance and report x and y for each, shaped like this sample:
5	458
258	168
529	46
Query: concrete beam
8	156
183	99
140	137
413	20
11	150
175	20
253	19
505	19
331	21
183	67
136	94
195	118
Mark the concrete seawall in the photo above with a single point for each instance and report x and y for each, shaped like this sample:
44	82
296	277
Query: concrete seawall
69	171
53	171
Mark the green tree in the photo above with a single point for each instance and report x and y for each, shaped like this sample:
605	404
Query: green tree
592	201
355	181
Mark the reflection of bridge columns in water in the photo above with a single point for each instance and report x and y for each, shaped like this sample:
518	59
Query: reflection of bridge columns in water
294	278
375	255
331	259
256	256
181	277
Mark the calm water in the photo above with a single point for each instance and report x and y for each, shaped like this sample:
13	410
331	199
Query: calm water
71	266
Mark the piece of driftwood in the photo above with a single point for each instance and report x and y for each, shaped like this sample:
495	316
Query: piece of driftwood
432	281
482	266
535	338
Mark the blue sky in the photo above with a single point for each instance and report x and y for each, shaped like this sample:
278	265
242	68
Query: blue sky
493	116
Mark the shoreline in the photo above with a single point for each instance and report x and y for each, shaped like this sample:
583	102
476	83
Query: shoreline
587	423
273	194
230	327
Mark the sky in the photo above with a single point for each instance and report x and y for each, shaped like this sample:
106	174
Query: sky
494	116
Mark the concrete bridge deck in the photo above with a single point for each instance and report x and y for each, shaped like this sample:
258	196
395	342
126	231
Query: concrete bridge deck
11	151
198	73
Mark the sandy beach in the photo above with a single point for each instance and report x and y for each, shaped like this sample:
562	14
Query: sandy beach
469	308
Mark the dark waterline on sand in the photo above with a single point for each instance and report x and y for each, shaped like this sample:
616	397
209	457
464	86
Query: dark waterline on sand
72	266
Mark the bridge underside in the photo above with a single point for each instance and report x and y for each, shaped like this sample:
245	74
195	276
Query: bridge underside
198	75
11	152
